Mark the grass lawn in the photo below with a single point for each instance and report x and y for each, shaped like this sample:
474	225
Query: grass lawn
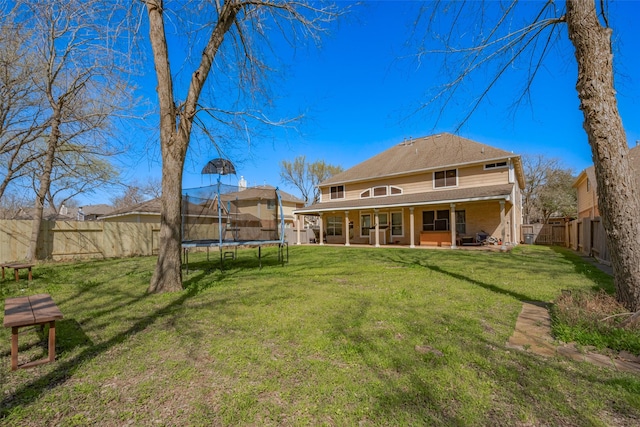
338	336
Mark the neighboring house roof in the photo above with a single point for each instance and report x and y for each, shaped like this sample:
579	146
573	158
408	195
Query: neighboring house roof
150	207
101	209
491	192
261	192
423	154
47	214
88	212
153	207
590	172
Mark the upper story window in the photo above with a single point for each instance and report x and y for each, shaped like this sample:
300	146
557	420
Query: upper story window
337	192
448	178
495	165
588	185
271	204
381	191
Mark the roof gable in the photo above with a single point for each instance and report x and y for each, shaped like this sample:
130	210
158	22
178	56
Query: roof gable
415	155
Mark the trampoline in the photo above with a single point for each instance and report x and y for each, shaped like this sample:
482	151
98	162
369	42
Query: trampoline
229	217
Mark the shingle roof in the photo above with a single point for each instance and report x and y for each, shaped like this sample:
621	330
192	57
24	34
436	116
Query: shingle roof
421	154
148	207
261	192
431	197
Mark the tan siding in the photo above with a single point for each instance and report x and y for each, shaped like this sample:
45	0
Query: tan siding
587	204
468	177
476	176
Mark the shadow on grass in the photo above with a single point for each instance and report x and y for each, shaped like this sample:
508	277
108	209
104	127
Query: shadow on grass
462	277
587	268
71	336
409	392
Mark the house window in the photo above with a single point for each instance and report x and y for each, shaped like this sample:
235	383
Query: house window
435	220
271	204
383	220
396	224
379	191
588	185
334	226
461	222
395	190
337	192
365	225
496	165
448	178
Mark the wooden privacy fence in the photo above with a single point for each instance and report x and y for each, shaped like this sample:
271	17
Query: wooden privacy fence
544	234
588	237
66	240
585	235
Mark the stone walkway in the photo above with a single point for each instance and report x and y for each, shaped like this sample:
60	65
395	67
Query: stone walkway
533	333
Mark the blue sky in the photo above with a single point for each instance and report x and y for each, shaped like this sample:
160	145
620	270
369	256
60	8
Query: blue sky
360	91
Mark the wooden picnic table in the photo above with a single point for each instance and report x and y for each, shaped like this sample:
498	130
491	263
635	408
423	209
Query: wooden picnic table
17	266
31	310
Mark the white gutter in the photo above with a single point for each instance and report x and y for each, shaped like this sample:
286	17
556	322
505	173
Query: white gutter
403	205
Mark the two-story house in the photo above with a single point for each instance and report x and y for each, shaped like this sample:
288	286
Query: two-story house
587	187
441	190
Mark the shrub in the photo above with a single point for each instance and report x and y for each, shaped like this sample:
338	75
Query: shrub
593	318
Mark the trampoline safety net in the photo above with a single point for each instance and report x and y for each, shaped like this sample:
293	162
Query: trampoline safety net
223	213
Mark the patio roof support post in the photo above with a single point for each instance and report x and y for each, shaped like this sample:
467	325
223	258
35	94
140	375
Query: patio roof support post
346	228
452	225
411	228
502	225
514	226
377	238
321	223
298	222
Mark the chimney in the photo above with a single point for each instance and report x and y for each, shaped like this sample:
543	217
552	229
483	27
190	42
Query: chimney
242	183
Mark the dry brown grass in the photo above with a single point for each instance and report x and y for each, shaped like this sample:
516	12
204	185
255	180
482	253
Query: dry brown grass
599	309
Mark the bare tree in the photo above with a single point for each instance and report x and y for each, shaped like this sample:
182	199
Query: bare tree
246	23
506	42
306	176
74	45
135	193
153	188
75	172
21	114
548	189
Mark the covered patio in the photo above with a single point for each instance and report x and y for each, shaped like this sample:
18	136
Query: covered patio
450	219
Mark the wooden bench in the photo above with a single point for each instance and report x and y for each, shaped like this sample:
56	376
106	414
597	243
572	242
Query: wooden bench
17	266
31	310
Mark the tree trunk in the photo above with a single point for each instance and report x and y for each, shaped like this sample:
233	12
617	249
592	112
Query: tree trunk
175	133
167	276
45	182
617	196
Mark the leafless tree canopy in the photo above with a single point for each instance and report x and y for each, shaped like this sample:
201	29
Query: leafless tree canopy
306	176
64	68
231	46
518	36
484	41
